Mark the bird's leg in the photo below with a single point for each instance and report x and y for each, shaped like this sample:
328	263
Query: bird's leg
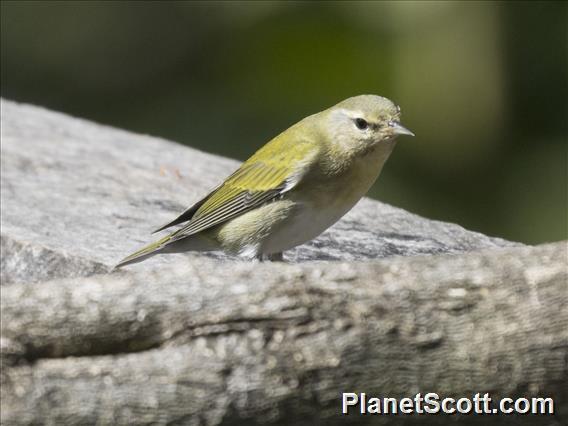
273	257
276	257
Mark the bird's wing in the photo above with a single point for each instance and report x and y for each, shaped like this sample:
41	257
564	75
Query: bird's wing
187	214
273	170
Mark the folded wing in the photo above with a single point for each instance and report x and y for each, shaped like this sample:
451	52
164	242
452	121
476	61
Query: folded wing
273	170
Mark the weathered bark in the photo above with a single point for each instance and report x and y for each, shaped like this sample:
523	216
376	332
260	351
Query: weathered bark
202	343
200	339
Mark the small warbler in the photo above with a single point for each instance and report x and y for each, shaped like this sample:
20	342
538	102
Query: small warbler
293	188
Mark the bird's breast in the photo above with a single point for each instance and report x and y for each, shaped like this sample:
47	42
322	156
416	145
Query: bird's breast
353	182
319	206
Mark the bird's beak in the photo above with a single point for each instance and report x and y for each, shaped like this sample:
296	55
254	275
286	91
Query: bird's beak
399	129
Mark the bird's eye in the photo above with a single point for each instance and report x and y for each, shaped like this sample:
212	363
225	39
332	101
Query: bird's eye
361	124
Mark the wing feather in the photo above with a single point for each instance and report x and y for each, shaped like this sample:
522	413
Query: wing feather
232	208
273	170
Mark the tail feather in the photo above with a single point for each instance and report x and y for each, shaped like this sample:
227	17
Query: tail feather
141	254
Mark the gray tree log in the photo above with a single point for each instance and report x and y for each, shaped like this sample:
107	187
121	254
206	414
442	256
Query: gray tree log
385	302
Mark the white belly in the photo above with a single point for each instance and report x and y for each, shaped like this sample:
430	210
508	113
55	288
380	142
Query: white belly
304	225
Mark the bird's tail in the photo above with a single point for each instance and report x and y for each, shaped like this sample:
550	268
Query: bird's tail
143	253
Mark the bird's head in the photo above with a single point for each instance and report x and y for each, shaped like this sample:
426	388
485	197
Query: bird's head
360	123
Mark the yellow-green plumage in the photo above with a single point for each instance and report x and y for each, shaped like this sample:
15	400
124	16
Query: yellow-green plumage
294	187
262	176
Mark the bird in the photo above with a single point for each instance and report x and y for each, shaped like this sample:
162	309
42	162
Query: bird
293	188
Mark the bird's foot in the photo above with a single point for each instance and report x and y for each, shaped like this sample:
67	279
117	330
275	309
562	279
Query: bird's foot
273	257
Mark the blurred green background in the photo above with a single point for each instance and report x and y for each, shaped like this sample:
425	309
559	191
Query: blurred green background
482	84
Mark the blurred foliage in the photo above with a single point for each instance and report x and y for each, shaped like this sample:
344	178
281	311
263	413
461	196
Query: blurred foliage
482	84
